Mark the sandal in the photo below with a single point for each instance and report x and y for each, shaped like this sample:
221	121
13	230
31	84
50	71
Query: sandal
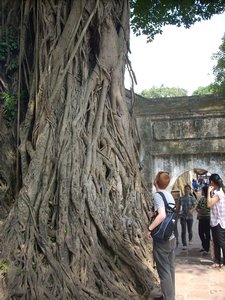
215	266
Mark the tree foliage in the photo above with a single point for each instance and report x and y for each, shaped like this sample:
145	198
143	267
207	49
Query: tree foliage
219	69
9	107
218	86
149	17
204	90
163	92
9	50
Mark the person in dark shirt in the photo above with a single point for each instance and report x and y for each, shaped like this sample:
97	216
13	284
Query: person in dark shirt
204	221
187	207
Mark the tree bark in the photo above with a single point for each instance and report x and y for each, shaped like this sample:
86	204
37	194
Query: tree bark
77	229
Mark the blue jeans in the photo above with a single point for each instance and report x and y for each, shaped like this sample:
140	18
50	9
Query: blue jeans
186	224
164	256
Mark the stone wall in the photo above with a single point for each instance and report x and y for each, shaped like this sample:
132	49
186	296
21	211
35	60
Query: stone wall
181	133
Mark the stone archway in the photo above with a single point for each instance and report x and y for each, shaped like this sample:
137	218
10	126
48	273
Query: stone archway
177	165
181	133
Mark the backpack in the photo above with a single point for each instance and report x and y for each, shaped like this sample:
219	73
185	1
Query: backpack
167	227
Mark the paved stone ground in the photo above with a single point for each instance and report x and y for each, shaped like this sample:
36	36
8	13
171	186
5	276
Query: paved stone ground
195	279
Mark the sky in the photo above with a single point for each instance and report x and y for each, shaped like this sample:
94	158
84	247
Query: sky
178	57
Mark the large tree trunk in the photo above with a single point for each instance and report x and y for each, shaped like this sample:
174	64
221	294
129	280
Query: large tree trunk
77	230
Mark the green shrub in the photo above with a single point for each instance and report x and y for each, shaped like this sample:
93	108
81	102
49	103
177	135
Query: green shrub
9	48
10	106
4	266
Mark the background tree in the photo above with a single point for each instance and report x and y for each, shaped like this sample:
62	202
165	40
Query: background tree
218	86
163	92
219	69
204	90
77	228
145	20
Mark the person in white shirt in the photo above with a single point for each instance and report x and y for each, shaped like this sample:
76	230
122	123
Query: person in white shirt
216	203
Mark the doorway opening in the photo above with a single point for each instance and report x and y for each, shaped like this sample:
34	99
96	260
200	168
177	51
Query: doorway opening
196	178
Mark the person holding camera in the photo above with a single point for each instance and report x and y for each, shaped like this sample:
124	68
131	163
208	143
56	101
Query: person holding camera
216	203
